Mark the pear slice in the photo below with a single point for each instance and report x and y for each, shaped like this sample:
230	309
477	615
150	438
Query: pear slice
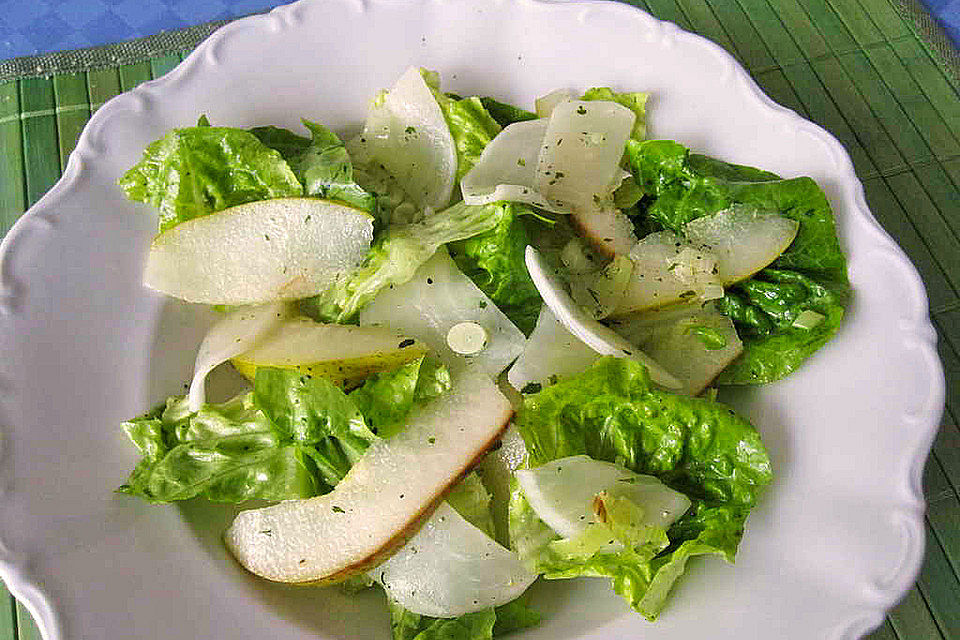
668	270
343	354
598	337
742	241
452	568
383	499
607	229
716	250
695	343
561	492
280	249
600	292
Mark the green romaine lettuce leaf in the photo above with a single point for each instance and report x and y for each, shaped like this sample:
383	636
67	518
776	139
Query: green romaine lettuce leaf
396	254
514	616
386	398
407	625
682	187
506	114
194	171
293	436
695	445
321	164
471	126
764	310
306	409
472	501
482	625
325	170
225	453
289	144
811	274
494	260
638	571
612	412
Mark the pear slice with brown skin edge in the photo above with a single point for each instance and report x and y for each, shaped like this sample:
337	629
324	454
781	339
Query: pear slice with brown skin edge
343	354
383	499
607	229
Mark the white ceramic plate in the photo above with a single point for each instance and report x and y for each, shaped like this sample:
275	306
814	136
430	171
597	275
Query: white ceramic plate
836	541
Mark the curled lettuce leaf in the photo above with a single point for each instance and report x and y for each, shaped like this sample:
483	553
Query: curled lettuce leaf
195	171
395	256
471	500
695	445
679	186
612	412
505	114
289	144
388	397
482	625
470	124
321	164
253	446
764	310
325	170
407	625
292	436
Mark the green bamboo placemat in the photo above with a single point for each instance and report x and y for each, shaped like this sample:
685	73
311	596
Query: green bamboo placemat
878	74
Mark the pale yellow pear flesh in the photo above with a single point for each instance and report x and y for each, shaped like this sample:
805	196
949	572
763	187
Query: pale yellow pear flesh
671	336
343	354
716	250
667	270
265	251
382	501
743	242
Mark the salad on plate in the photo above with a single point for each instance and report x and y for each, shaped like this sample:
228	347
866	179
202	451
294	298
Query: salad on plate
482	345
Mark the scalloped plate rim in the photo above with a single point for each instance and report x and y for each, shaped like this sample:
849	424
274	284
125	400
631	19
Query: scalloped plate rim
39	604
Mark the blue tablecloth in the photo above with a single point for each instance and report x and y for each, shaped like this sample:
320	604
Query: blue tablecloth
947	13
29	27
